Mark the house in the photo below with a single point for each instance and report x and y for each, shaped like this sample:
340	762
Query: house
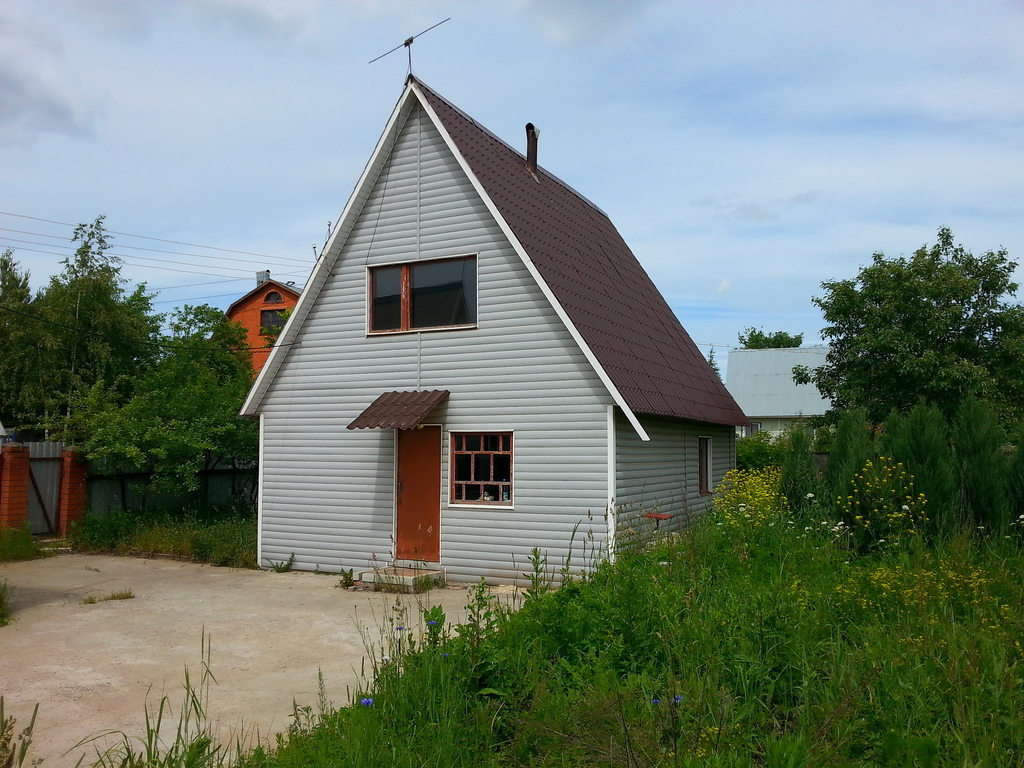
761	381
261	308
478	366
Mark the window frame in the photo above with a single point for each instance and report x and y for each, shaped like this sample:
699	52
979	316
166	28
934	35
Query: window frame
278	313
405	301
453	438
705	456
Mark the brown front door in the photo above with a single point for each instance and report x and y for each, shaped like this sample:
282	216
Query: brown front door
418	493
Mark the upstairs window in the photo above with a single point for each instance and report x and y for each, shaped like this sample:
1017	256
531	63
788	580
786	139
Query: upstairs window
481	468
423	294
273	298
271	321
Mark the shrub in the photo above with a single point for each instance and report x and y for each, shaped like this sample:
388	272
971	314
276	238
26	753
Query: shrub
5	604
851	449
883	506
750	498
920	441
758	451
800	481
982	466
18	544
225	537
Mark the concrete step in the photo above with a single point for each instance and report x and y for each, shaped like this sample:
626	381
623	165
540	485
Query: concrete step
399	579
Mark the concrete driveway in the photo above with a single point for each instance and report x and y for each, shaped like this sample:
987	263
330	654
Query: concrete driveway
90	667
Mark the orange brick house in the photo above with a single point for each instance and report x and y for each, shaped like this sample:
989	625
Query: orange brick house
262	307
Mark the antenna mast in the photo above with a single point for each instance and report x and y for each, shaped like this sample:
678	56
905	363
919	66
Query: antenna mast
408	44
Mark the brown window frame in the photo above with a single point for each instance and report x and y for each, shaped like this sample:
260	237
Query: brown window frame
405	301
501	490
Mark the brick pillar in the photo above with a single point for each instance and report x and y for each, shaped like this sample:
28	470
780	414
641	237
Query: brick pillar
72	489
14	483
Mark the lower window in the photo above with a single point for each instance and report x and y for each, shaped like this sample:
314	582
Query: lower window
481	467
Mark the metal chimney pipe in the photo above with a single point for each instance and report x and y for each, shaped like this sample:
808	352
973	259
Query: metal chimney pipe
531	148
262	277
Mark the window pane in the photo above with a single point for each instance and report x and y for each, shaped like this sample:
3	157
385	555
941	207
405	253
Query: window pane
443	293
472	442
271	319
463	464
492	493
472	493
502	467
387	299
482	467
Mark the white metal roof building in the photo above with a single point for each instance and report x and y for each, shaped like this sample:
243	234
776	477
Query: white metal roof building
761	381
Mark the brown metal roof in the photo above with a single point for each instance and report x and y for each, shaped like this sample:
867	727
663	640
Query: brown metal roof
398	410
594	275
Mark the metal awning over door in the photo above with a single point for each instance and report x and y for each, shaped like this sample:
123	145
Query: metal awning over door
399	410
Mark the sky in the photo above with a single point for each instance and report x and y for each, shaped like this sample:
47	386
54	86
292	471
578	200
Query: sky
746	150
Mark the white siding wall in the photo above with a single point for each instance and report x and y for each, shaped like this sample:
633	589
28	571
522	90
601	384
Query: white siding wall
661	475
327	493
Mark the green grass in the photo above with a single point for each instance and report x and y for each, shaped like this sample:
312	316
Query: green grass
18	544
762	642
5	605
757	638
219	537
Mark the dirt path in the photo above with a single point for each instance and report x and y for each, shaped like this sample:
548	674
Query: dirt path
90	667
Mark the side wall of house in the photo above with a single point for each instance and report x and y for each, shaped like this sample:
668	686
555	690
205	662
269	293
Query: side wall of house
660	476
328	493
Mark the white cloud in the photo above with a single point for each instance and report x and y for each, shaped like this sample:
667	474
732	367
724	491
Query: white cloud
39	91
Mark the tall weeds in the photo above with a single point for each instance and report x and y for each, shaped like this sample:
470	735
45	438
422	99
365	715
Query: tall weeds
14	744
18	544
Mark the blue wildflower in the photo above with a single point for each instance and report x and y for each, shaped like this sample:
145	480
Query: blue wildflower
400	628
655	701
367	702
431	623
677	699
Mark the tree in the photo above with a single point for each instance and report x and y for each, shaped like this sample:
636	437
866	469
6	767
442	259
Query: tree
714	363
937	327
181	415
756	338
15	331
83	327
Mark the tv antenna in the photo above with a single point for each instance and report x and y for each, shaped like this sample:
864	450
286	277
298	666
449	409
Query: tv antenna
408	44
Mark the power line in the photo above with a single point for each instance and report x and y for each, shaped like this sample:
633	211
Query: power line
195	298
70	246
161	344
141	237
146	266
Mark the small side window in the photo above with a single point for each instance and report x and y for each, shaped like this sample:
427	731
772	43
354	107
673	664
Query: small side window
704	464
273	298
